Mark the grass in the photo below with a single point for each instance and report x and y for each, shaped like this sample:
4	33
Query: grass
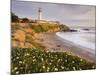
47	27
15	27
30	60
34	44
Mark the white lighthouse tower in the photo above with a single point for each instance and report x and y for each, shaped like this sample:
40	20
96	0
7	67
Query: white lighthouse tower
39	14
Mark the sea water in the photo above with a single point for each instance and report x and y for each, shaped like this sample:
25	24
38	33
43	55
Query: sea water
81	37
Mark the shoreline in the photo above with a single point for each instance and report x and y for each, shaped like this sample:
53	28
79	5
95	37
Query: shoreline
89	45
54	43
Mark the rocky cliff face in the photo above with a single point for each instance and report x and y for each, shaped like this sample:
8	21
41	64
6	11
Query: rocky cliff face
25	35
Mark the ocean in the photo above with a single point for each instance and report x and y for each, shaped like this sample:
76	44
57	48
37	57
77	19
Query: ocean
84	38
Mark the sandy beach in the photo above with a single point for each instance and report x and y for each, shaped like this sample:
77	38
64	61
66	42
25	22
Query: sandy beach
53	43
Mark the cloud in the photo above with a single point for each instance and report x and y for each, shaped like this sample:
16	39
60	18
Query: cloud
70	14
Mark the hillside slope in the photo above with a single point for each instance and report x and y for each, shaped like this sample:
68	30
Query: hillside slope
25	35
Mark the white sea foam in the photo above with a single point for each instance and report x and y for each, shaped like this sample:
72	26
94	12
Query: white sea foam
85	39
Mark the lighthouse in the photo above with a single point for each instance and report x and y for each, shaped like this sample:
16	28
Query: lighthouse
39	14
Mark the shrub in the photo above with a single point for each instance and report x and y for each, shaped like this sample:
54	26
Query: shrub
29	60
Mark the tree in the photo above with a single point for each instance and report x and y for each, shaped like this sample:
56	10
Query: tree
25	20
14	18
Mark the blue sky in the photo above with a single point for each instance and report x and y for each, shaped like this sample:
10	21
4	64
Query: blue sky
71	15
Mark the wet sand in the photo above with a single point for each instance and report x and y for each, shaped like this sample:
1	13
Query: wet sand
54	43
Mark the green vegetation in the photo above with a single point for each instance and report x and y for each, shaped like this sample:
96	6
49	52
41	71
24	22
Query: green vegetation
25	20
29	60
39	27
34	43
46	27
15	27
14	18
64	28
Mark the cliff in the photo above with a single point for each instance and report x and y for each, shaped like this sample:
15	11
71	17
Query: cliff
25	35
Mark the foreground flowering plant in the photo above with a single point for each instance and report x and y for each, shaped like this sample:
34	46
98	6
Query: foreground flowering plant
29	60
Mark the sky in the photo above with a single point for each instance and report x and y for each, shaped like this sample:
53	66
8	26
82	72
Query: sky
68	14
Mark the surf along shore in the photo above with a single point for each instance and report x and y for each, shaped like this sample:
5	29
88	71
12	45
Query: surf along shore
54	43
